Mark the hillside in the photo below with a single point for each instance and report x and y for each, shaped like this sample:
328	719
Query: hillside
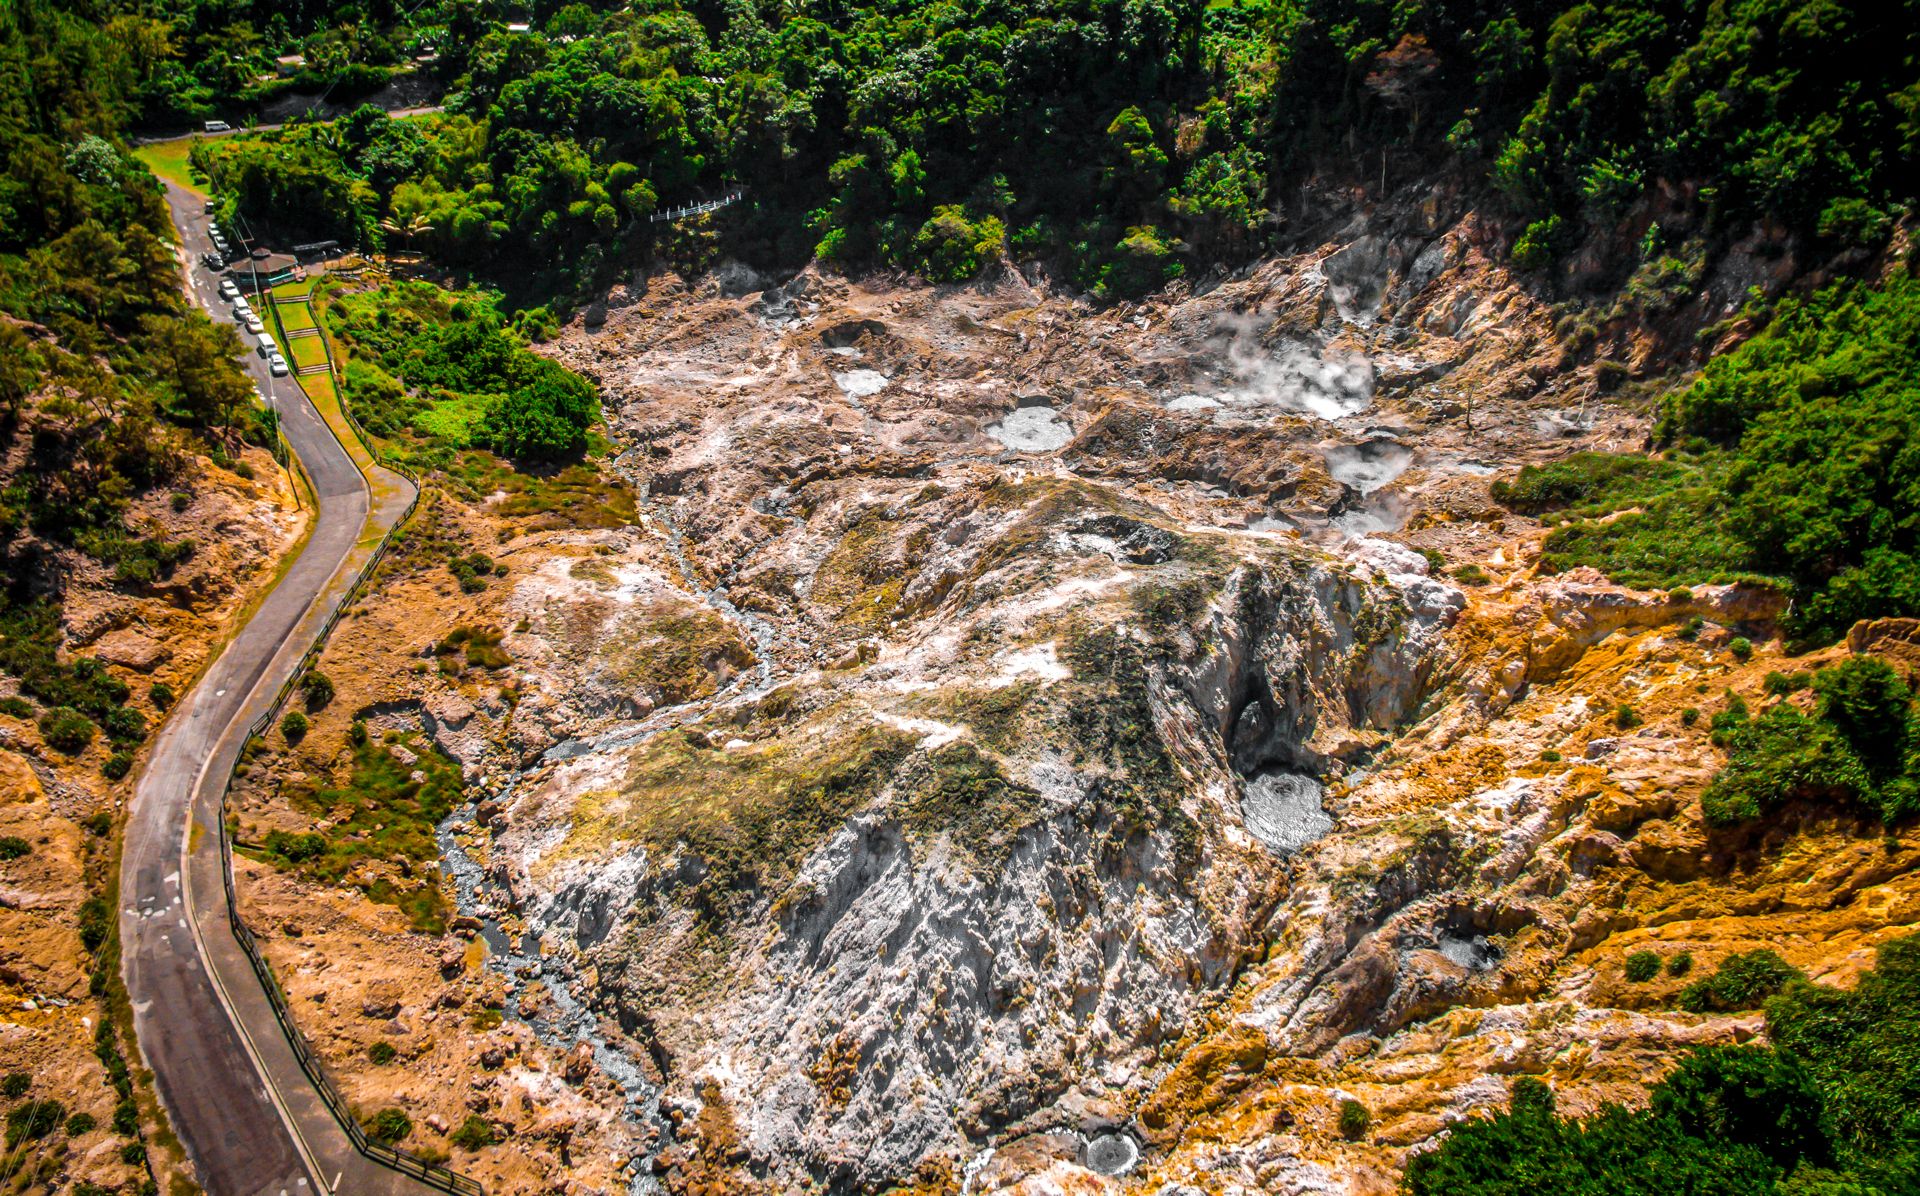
1167	598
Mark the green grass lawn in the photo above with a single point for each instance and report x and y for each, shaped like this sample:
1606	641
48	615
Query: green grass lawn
168	159
306	350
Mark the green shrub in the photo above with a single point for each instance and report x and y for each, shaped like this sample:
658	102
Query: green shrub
317	688
1680	964
34	1119
16	707
473	1134
1859	744
1741	647
357	732
389	1125
124	725
1642	966
953	247
294	726
97	823
1689	716
161	695
94	922
1471	575
117	765
66	730
1551	756
81	1123
295	848
15	1084
1590	483
381	1053
13	847
1742	981
1625	717
1354	1120
133	1153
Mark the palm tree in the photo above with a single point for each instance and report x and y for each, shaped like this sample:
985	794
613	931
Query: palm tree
406	227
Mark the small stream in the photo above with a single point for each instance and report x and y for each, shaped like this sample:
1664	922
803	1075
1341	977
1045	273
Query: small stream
564	1020
761	630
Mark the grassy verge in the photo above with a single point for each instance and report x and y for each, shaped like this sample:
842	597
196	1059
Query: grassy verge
168	160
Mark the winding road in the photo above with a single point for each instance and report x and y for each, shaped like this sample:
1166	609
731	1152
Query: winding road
249	1118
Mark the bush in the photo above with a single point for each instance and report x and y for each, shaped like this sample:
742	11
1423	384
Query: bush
317	688
1859	744
545	420
1642	966
474	1133
389	1125
1742	982
381	1053
117	765
81	1123
13	847
66	730
294	726
357	732
94	922
1354	1120
1625	717
15	1084
1689	716
161	695
34	1119
1680	964
1471	575
16	707
952	247
133	1153
1741	647
295	848
125	725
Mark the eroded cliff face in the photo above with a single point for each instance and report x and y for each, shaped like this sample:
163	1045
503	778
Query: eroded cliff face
1022	746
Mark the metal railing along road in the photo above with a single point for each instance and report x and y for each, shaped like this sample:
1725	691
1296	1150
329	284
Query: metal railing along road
431	1174
712	205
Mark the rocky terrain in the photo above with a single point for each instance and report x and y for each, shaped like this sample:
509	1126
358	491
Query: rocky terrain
1017	745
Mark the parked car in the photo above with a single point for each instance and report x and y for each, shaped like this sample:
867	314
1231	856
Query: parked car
277	365
213	261
229	290
255	325
218	126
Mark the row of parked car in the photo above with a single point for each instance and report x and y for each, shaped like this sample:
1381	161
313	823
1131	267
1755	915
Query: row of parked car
245	316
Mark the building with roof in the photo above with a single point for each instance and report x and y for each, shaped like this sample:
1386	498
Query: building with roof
263	270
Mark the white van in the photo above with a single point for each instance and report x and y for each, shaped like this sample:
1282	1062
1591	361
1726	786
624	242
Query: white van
267	347
218	126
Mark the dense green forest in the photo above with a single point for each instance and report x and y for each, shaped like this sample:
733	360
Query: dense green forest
1831	1108
1128	141
1790	460
110	384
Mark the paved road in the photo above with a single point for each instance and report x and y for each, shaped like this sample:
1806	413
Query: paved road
250	1120
395	113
